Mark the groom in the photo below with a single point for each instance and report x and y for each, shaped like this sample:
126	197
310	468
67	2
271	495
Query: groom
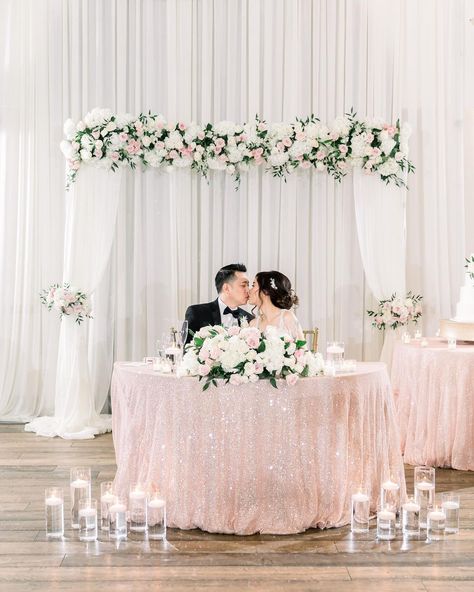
232	285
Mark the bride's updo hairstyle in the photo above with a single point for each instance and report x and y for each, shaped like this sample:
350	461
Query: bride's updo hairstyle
278	287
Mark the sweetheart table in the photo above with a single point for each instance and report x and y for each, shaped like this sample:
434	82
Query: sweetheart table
247	459
434	393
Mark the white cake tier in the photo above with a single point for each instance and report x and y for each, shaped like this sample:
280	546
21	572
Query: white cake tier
465	306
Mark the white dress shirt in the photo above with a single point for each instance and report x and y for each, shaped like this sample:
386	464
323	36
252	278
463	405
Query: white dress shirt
227	319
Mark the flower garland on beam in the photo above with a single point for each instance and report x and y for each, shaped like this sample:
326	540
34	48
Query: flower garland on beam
108	140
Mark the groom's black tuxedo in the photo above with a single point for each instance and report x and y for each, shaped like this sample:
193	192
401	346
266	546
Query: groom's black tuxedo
201	315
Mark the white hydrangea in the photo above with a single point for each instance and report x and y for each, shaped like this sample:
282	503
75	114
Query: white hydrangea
191	133
174	141
389	167
278	158
225	128
97	117
69	129
298	149
280	130
341	126
234	155
153	158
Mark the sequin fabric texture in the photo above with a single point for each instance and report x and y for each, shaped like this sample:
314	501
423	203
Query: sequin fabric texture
253	458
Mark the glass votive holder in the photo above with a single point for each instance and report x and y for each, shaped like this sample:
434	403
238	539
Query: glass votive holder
386	525
452	343
411	518
424	342
360	511
156	518
137	505
54	512
335	353
450	503
107	497
436	524
87	519
406	338
418	334
117	519
390	498
80	485
424	491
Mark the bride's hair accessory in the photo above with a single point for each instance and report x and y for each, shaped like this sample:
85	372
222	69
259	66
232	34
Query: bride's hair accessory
273	283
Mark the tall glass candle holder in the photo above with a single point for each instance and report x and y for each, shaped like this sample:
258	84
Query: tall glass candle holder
436	524
386	525
335	353
87	519
424	491
80	485
360	511
138	508
117	519
390	498
450	503
156	517
411	518
107	497
54	512
452	343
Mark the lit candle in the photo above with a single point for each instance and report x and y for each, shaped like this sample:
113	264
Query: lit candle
436	514
53	501
418	334
137	494
107	498
386	515
390	486
335	349
450	505
411	507
117	508
360	497
87	512
80	484
156	503
424	485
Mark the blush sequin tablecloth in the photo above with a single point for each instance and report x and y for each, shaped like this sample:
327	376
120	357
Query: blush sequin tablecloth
434	396
253	458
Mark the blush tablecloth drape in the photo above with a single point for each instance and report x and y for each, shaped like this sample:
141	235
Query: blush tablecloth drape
252	458
434	396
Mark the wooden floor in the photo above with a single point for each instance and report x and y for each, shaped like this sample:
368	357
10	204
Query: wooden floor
331	560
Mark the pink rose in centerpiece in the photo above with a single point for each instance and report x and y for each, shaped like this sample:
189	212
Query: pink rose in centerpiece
299	353
123	137
235	380
182	126
262	126
320	155
287	142
258	367
305	164
133	147
173	154
204	370
220	143
257	153
376	152
291	379
343	149
215	353
253	341
114	156
234	330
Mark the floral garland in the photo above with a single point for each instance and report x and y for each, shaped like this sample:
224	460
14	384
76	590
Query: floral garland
240	355
470	266
110	141
397	311
67	300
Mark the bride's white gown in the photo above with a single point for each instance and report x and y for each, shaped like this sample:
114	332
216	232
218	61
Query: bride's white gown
285	324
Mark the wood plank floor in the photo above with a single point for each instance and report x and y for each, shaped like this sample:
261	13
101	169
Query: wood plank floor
331	560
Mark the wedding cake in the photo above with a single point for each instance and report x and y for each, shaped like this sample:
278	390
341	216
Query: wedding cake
465	306
462	325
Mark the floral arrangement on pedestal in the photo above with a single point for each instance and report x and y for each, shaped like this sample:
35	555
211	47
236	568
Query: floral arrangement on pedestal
240	355
67	300
109	140
397	311
470	266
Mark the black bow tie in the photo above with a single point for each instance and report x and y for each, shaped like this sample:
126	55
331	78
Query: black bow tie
235	313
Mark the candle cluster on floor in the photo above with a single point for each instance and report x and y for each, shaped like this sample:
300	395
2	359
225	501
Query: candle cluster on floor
419	516
143	511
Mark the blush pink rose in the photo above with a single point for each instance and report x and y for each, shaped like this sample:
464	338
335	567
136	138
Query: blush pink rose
299	353
301	136
258	367
305	164
234	330
215	353
235	379
173	154
287	142
262	126
320	155
217	149
96	135
133	147
220	143
114	155
204	370
123	137
343	149
204	354
257	153
376	151
182	126
252	341
281	146
291	379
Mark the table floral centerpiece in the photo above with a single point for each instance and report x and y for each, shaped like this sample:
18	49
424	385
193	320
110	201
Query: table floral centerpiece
240	355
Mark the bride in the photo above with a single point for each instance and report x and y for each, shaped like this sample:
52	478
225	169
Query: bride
272	295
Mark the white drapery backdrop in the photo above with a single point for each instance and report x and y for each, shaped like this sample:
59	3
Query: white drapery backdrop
213	61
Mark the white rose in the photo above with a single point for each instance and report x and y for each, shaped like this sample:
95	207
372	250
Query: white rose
69	129
85	154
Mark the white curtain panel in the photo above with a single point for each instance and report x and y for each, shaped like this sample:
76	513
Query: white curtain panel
214	61
91	215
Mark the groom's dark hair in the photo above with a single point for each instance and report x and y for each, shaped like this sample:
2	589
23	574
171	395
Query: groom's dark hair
226	274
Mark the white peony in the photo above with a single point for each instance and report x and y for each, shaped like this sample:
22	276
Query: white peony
225	128
298	149
235	155
389	167
174	141
85	154
280	130
153	158
278	158
69	129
